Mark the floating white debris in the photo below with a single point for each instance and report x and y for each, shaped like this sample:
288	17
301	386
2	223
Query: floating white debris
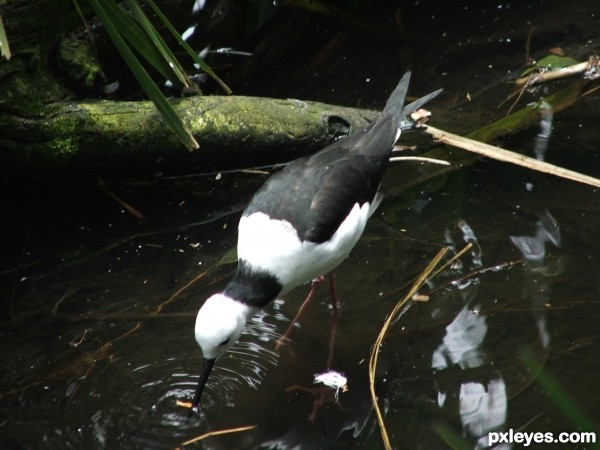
332	379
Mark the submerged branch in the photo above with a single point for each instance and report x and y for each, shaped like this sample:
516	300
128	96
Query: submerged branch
406	177
501	154
591	67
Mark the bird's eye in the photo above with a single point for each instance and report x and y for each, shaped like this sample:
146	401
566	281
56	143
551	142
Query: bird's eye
225	342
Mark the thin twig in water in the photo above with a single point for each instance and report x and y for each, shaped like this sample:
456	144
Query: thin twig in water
520	91
216	433
388	321
590	91
177	293
65	296
441	162
130	209
480	271
454	258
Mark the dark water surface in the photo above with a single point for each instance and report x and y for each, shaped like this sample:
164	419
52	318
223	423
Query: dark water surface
101	346
98	306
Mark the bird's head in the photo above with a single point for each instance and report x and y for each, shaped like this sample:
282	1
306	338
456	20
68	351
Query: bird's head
219	324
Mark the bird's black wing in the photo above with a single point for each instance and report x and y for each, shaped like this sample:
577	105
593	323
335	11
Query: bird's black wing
316	193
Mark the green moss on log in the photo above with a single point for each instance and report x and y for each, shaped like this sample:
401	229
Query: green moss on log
233	132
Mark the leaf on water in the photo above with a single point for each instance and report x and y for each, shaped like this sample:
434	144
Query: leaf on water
4	47
551	62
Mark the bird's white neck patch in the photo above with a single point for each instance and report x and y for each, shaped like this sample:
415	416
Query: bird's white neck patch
220	323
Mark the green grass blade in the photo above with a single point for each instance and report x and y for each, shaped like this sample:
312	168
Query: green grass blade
159	43
157	97
4	47
132	32
190	51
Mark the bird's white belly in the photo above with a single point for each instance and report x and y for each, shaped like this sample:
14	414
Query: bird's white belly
274	246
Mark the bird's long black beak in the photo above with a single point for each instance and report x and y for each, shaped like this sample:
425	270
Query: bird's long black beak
206	368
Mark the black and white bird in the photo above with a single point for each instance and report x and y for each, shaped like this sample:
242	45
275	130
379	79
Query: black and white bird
302	223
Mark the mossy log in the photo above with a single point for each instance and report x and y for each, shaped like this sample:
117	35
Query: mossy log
104	137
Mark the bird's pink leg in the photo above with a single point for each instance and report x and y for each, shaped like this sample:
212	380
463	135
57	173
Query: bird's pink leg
311	295
334	319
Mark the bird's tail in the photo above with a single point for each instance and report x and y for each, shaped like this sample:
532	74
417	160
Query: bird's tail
395	104
382	135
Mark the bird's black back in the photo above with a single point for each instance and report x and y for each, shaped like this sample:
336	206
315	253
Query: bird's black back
316	193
